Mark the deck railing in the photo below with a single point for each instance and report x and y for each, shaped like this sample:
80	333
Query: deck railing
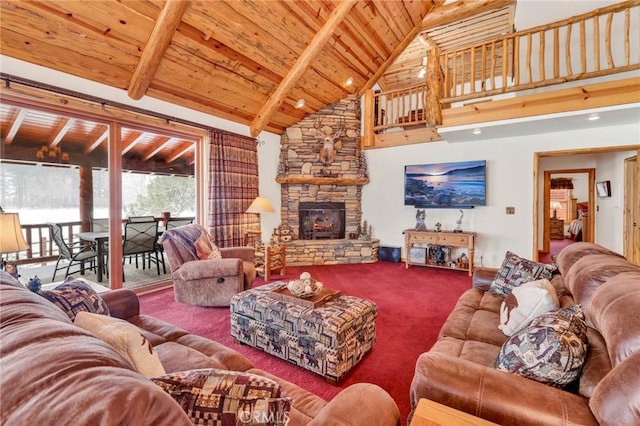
41	245
542	56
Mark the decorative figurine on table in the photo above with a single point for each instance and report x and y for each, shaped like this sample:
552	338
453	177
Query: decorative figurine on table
421	216
459	222
438	226
12	269
34	284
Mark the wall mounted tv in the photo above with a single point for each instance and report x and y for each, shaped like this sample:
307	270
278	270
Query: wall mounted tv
446	185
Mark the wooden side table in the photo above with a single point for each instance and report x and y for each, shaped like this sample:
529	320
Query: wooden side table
271	258
430	413
556	226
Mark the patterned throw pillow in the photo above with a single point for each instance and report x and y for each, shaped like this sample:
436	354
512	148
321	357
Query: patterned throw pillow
515	271
525	303
126	339
551	350
73	296
221	397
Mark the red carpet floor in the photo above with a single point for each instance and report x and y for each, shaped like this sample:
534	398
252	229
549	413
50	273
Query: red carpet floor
412	306
555	247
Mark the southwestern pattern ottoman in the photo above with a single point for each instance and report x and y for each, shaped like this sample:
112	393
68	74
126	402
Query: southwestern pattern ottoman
329	340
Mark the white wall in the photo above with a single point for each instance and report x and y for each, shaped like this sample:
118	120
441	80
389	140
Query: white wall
609	210
510	178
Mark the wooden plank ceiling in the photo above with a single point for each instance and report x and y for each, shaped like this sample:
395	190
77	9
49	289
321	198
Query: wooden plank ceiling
34	136
246	61
225	58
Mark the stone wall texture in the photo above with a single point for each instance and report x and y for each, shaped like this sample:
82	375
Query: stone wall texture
300	157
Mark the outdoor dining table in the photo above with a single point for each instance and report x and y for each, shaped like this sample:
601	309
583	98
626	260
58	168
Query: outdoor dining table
99	238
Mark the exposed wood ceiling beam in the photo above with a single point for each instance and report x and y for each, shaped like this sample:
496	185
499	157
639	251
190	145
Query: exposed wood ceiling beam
15	126
302	64
159	40
61	129
180	152
453	12
131	141
396	52
96	143
158	144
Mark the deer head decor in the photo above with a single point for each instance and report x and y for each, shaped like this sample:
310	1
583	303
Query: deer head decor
329	139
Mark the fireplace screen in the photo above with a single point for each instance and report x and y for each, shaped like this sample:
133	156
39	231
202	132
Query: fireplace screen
321	221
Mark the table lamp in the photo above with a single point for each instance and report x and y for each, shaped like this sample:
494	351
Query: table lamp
259	205
555	205
11	239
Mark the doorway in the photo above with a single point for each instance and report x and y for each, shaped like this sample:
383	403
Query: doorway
564	160
631	213
568	193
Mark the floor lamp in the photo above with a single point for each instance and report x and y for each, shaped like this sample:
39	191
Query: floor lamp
259	205
11	240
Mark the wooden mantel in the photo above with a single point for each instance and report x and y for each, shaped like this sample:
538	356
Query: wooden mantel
314	180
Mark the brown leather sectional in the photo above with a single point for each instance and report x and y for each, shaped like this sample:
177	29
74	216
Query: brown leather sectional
458	370
54	373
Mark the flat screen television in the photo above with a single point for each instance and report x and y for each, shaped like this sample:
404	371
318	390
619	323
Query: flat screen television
454	185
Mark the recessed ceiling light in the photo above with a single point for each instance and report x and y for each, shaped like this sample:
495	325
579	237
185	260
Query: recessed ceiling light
593	117
300	103
477	131
348	81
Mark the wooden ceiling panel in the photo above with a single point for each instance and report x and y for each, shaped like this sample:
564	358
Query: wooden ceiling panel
226	58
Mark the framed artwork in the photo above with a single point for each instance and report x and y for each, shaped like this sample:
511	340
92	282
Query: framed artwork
418	255
603	189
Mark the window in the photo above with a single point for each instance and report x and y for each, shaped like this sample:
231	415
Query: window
559	201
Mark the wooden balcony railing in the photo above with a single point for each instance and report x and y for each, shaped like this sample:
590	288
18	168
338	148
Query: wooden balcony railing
545	55
400	108
590	45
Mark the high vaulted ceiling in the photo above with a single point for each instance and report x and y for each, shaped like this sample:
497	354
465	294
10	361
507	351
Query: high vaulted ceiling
247	61
226	58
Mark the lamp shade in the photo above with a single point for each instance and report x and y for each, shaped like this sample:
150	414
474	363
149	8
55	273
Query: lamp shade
556	205
11	238
260	205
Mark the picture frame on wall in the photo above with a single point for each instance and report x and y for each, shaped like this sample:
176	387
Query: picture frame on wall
603	189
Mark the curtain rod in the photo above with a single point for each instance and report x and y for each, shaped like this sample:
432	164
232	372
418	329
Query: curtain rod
8	79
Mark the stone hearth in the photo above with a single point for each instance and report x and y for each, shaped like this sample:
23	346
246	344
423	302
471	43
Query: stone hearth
305	179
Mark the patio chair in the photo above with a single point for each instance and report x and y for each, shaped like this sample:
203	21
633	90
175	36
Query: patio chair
140	238
171	224
140	218
199	279
77	254
175	222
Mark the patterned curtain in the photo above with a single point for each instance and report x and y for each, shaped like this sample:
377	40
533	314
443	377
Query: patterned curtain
233	185
562	183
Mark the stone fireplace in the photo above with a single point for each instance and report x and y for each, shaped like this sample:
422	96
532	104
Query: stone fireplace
321	203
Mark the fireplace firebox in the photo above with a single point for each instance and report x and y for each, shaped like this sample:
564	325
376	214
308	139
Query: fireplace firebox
321	221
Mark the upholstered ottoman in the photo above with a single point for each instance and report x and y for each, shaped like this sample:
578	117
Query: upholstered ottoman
329	340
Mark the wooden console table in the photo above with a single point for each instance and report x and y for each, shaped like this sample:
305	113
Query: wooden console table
419	244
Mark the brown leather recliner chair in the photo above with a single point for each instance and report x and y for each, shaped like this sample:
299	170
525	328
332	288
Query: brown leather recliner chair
199	279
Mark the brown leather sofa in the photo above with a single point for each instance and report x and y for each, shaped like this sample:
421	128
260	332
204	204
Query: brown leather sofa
54	373
458	370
